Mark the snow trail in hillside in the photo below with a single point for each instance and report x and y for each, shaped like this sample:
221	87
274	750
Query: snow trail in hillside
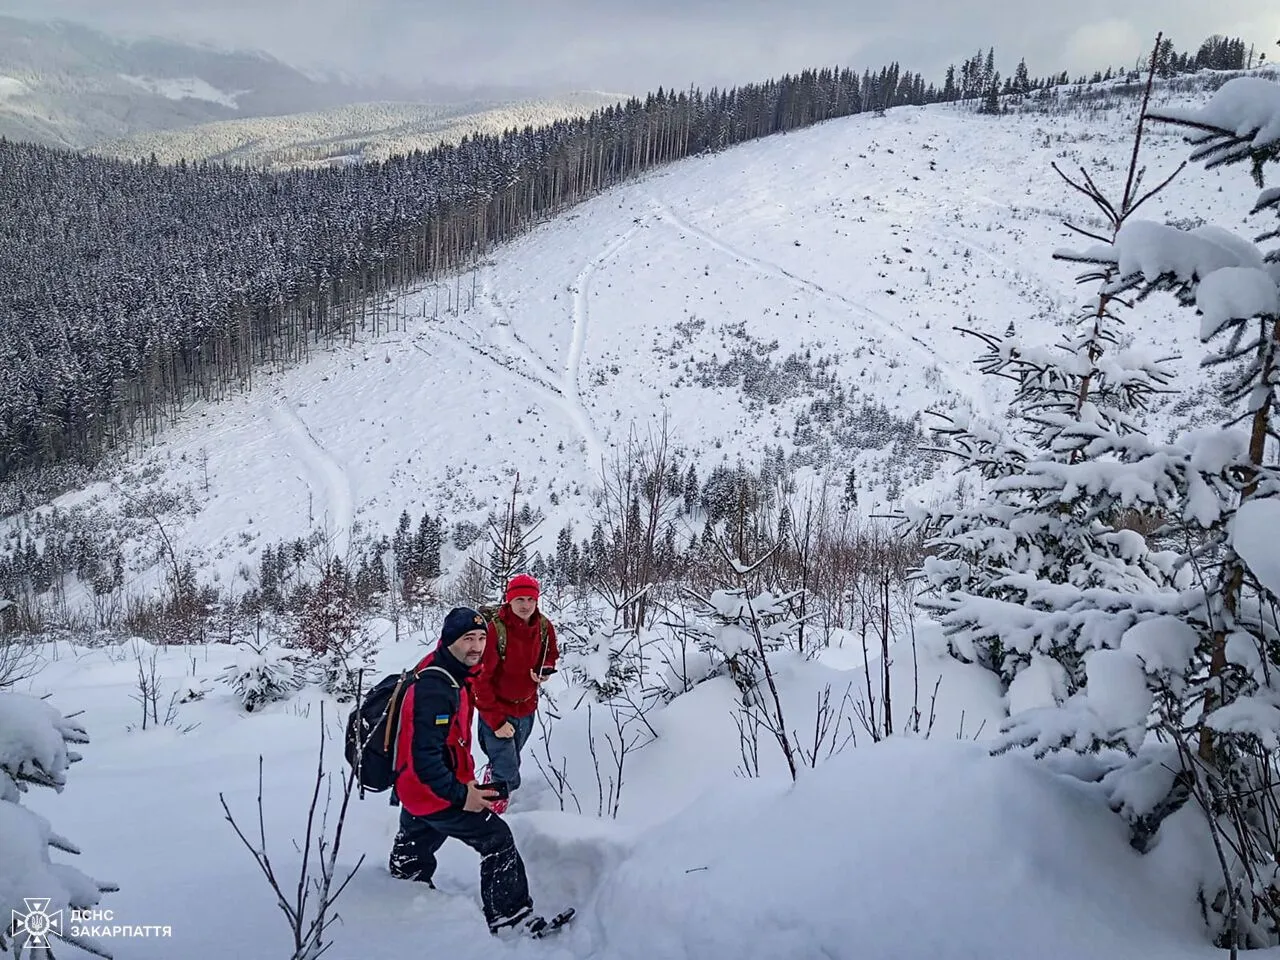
960	383
517	351
581	322
530	368
505	363
324	472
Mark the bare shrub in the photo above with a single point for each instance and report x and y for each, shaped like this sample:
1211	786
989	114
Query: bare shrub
309	909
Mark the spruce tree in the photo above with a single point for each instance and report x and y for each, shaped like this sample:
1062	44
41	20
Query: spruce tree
1021	81
991	102
1040	570
1189	701
690	489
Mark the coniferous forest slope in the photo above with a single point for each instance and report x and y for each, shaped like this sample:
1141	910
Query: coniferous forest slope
133	288
164	287
136	287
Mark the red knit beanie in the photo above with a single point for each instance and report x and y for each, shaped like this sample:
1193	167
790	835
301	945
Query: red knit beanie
522	585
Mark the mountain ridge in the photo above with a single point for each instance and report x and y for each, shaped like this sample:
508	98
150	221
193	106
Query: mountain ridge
67	85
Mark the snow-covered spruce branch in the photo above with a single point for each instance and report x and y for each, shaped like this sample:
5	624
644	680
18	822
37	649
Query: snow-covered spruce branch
263	673
309	919
1046	536
35	750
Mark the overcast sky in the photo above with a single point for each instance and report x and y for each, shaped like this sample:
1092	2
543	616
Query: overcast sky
630	46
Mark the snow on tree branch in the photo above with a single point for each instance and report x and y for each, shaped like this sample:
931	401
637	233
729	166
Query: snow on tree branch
33	744
1245	108
33	750
1253	535
1254	716
1236	293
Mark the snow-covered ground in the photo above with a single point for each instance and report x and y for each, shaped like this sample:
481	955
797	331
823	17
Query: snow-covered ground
909	848
184	88
864	240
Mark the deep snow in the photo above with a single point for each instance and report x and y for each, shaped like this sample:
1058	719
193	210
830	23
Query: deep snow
868	238
903	849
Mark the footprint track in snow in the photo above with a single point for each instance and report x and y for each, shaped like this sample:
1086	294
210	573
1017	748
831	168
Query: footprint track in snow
324	473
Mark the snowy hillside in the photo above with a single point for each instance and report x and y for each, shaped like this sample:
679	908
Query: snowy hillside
792	299
777	295
899	850
353	133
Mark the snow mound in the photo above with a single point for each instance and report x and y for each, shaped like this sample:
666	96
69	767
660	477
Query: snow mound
905	849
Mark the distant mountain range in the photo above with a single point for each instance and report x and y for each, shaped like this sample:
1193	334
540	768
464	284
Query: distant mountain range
347	134
63	84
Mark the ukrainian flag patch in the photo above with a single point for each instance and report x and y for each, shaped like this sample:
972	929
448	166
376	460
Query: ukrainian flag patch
442	719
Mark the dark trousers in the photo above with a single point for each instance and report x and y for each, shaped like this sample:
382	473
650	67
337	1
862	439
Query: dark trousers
504	755
504	888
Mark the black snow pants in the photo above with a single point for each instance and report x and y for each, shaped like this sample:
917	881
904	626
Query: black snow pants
504	888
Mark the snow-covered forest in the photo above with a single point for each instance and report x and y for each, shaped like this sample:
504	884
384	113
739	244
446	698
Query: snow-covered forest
898	536
137	287
134	287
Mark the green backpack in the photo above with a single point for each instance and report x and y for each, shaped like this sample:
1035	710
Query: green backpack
490	613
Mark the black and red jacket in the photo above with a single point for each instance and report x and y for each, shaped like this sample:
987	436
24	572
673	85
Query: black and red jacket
503	687
433	745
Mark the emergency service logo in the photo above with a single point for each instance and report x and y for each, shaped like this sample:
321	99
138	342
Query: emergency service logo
32	928
36	925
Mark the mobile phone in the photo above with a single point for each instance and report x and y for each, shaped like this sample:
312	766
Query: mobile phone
547	671
499	787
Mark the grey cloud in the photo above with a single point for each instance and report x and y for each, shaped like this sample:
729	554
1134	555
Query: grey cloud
620	45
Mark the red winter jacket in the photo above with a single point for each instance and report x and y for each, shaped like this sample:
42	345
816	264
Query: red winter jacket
433	745
503	687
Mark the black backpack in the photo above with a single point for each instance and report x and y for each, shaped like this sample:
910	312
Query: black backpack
372	728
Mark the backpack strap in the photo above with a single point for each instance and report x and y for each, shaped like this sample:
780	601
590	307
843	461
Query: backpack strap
544	634
393	711
397	694
500	629
441	670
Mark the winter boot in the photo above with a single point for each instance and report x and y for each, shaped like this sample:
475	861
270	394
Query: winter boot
401	867
515	923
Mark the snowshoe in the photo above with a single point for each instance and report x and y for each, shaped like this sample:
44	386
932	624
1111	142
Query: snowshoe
540	927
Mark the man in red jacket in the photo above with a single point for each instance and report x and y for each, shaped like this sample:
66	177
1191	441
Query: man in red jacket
436	785
507	686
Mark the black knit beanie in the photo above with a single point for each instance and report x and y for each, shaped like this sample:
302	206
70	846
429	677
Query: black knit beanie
458	621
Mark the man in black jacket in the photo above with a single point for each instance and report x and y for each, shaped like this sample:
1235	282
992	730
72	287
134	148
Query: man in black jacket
436	785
